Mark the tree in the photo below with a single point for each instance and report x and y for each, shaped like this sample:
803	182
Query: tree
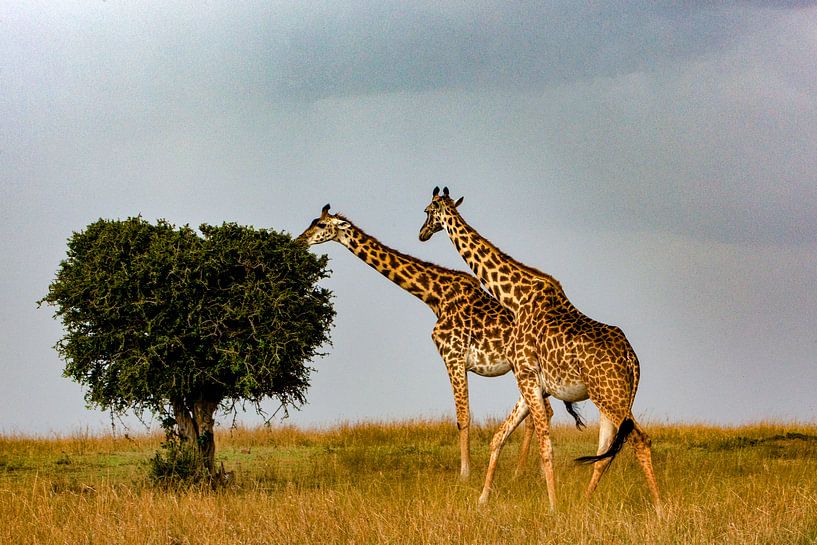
177	323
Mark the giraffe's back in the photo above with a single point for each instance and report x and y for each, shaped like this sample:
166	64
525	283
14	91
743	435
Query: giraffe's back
581	357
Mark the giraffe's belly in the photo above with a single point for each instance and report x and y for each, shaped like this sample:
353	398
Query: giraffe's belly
566	391
485	363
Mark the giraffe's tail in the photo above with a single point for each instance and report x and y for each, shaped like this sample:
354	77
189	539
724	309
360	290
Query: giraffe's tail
618	441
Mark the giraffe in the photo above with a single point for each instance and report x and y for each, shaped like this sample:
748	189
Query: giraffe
555	351
472	328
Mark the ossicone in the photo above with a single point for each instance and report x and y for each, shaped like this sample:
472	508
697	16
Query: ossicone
325	208
445	191
436	191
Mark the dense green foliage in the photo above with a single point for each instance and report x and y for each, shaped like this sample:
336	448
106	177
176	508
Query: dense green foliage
174	322
177	466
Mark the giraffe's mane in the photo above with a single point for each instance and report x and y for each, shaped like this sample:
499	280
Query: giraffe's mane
532	270
527	268
424	263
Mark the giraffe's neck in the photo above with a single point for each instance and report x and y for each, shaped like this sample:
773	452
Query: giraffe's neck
424	280
508	280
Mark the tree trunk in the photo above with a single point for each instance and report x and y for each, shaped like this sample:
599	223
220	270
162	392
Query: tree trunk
204	415
195	428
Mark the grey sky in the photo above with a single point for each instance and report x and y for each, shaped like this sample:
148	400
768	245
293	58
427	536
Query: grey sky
660	161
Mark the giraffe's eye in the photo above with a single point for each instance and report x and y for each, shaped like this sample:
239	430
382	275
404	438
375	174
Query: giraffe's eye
321	224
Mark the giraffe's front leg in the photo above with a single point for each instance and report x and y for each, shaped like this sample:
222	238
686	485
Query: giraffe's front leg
527	377
459	385
517	415
524	448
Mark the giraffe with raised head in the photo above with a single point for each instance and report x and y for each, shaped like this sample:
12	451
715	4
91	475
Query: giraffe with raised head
472	328
555	350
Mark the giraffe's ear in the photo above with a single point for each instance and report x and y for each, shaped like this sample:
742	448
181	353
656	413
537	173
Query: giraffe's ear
459	202
325	208
445	191
342	224
436	191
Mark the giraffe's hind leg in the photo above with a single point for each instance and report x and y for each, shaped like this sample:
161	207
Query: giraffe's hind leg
607	432
641	444
643	453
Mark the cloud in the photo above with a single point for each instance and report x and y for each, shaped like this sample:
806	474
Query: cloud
642	116
362	48
660	160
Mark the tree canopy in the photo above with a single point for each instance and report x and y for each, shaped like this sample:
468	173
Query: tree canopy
172	320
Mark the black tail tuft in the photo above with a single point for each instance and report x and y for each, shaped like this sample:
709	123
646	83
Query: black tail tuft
621	437
575	414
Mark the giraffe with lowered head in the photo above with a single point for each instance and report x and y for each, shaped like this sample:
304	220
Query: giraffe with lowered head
472	328
554	350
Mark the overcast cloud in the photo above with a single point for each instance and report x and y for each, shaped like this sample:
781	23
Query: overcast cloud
661	161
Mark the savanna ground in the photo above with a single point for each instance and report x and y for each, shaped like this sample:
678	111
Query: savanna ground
397	483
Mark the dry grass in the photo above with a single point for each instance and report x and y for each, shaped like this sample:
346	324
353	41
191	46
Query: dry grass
397	483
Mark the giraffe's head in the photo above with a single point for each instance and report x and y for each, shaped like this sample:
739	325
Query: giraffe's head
440	205
325	227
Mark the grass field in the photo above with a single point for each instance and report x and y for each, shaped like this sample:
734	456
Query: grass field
397	483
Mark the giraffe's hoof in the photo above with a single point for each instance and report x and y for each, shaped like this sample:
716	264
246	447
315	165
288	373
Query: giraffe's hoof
483	499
